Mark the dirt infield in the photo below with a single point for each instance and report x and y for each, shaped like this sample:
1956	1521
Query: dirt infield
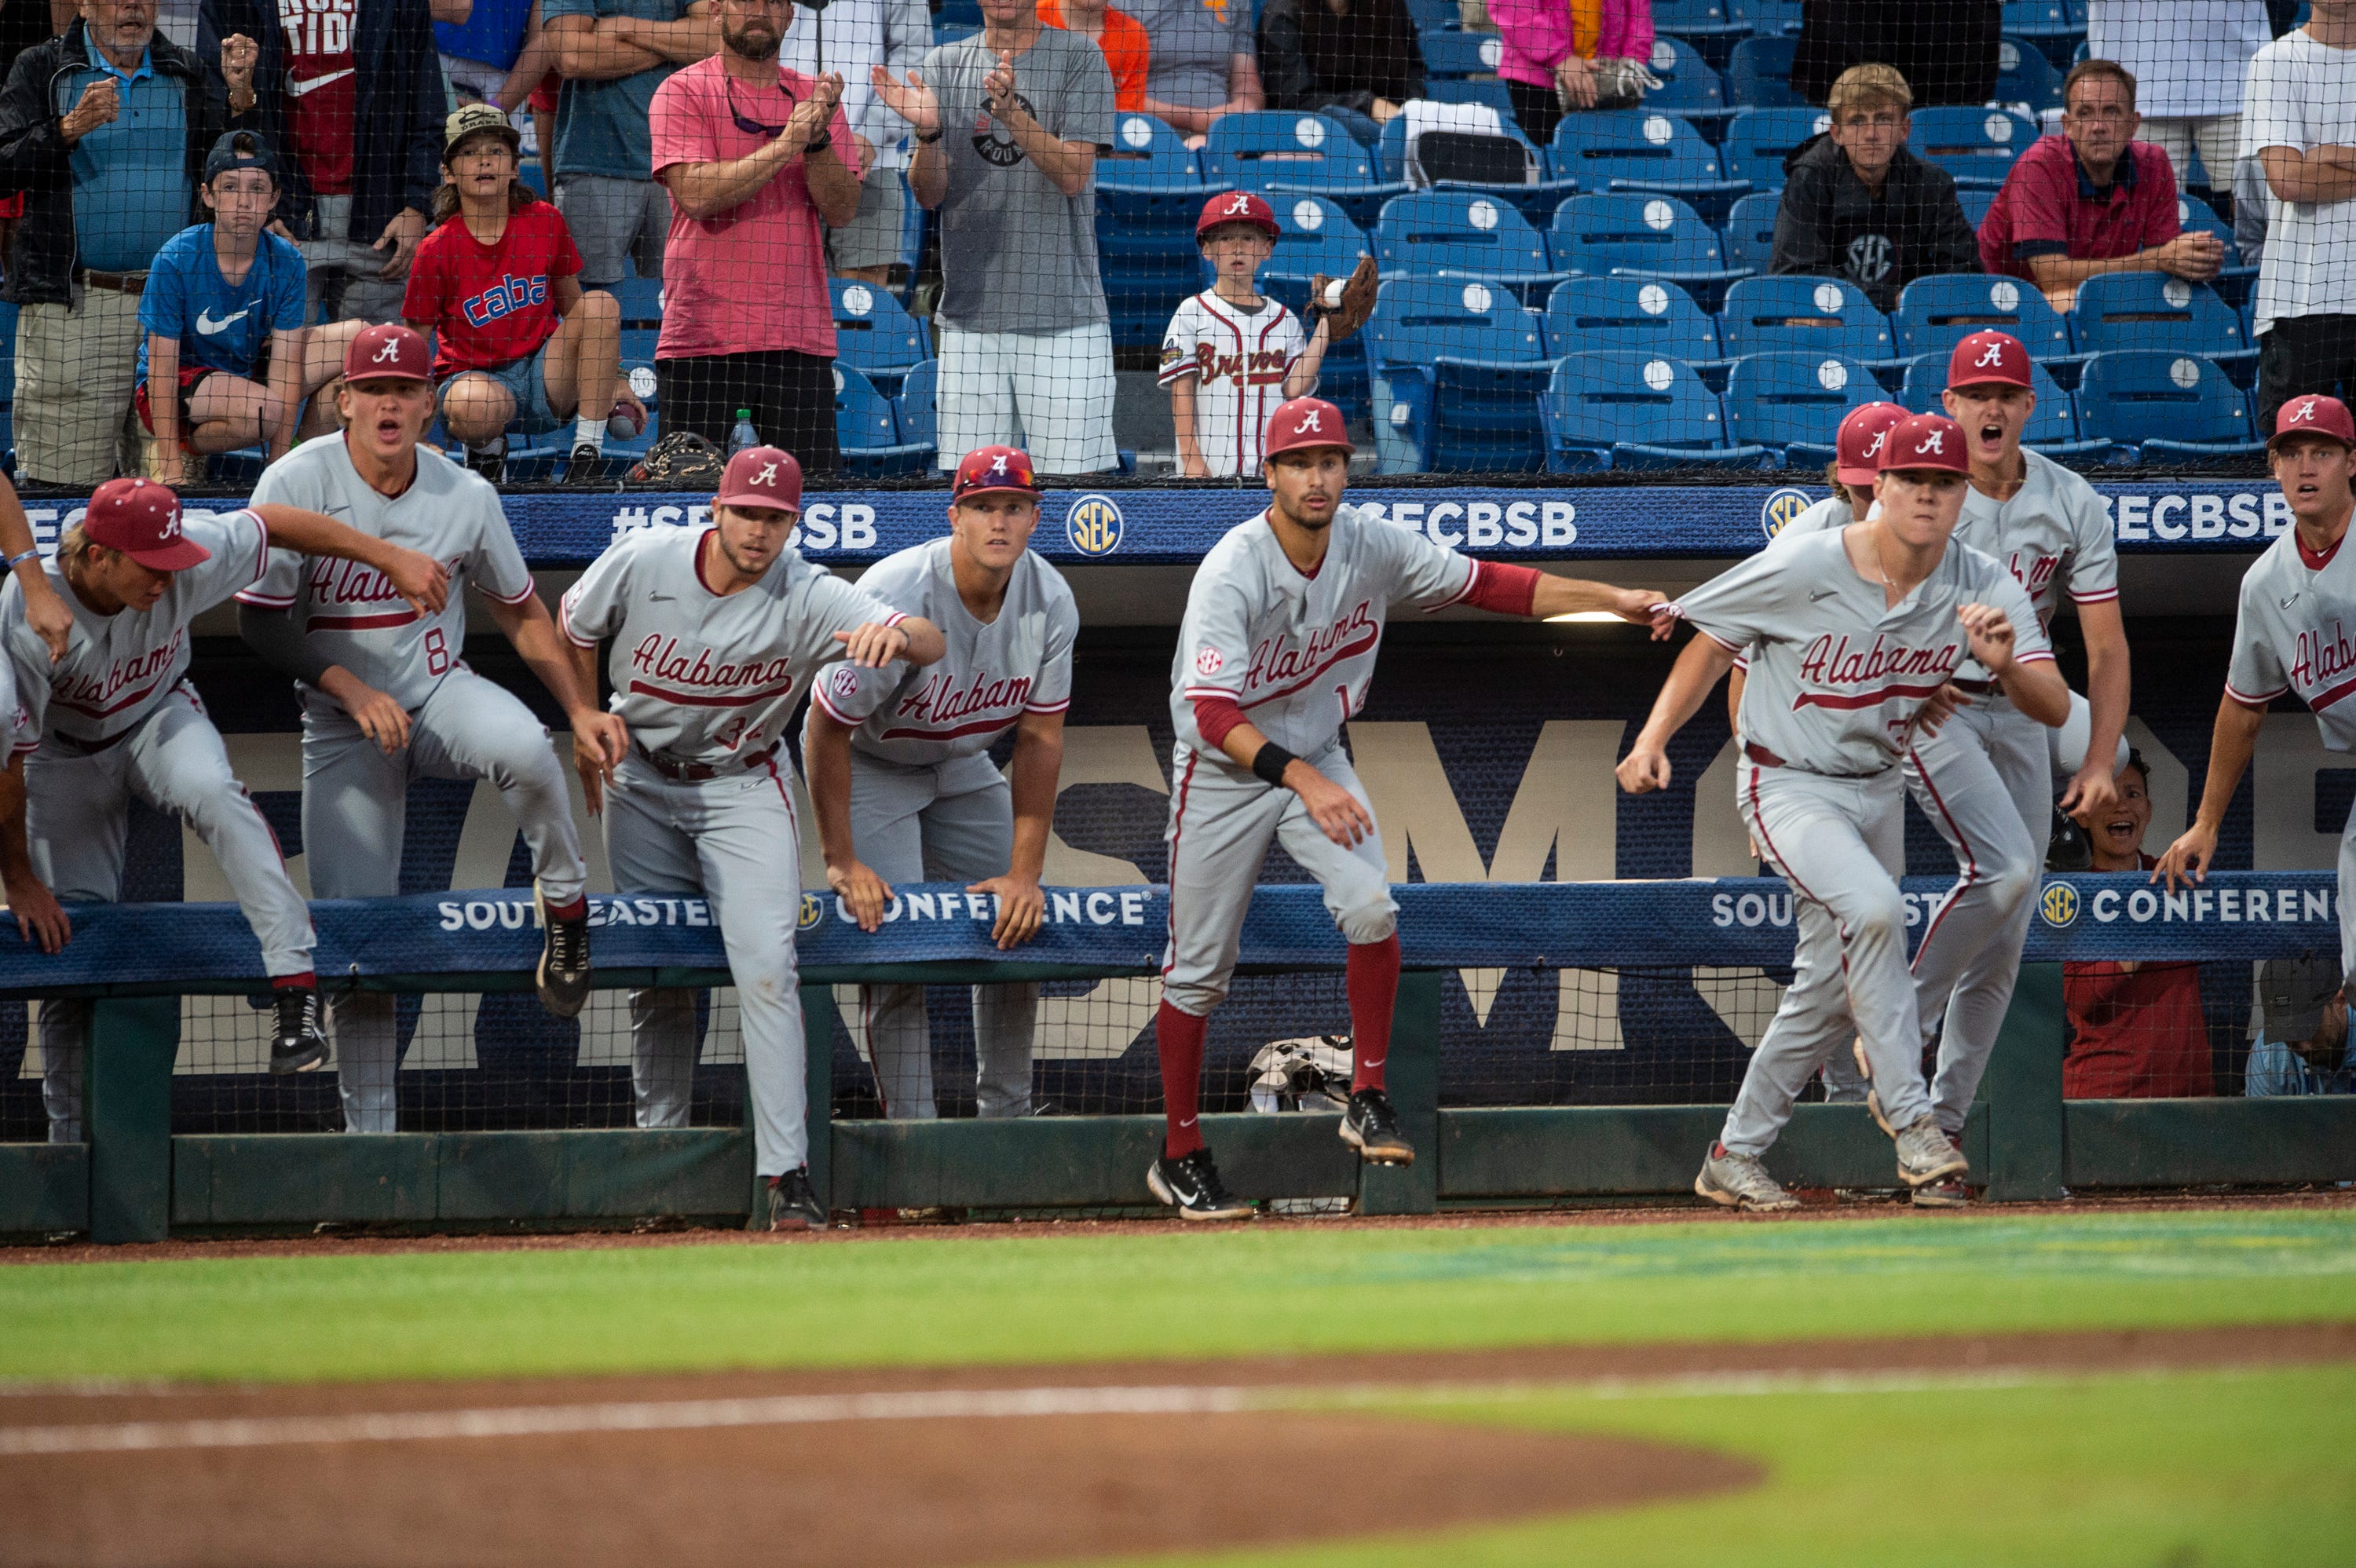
937	1466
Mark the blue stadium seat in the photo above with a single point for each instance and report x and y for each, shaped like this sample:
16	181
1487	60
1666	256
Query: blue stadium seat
1751	230
1640	151
1703	24
1278	151
1149	192
1782	401
1434	16
1759	140
1455	232
1316	236
2235	281
914	407
1462	345
2055	26
1632	410
2168	405
873	333
2023	75
1537	197
1934	313
1627	315
1758	74
1689	86
1766	18
1460	54
868	430
1975	144
640	299
638	361
2052	429
1642	235
1819	317
1976	200
1148	154
2170	316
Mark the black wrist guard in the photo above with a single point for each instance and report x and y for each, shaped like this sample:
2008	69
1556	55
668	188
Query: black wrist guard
1269	763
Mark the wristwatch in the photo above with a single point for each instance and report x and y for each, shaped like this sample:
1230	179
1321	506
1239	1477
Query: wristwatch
929	141
819	143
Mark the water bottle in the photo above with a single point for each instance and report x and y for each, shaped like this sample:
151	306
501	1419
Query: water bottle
744	438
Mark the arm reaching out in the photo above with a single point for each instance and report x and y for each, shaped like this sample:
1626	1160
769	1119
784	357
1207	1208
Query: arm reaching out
419	579
1691	680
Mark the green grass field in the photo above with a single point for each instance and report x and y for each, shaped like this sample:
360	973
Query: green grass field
2177	1469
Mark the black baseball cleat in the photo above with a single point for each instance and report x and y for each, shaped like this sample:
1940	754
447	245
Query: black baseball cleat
1371	1127
491	463
586	466
563	973
298	1044
1191	1185
793	1203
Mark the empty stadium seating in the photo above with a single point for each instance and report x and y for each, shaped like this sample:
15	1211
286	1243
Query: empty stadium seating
868	428
2154	311
873	333
2165	406
1149	193
1758	74
1634	411
1446	231
1976	145
1759	140
1935	314
1820	318
1787	402
1632	315
1642	235
1270	150
1641	151
1465	346
1751	231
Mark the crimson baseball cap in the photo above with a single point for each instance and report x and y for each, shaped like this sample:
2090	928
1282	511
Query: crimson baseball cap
1857	448
2314	414
762	476
1926	441
387	352
1236	206
1306	422
1988	359
141	519
988	468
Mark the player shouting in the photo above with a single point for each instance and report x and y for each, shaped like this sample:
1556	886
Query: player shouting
116	720
717	631
909	750
1851	632
2295	630
386	698
1275	651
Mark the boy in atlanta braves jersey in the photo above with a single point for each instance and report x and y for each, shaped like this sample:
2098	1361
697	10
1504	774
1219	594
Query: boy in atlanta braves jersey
909	749
116	719
1275	653
1231	353
717	633
1851	633
386	698
2295	631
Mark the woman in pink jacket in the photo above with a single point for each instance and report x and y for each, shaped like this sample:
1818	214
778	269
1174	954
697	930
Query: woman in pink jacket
1548	60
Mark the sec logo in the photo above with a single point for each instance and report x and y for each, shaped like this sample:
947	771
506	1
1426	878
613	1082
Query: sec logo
2060	903
812	912
1781	507
1093	525
843	681
1208	661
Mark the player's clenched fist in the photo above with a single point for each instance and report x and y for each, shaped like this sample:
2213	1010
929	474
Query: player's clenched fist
862	893
1644	769
1990	629
420	578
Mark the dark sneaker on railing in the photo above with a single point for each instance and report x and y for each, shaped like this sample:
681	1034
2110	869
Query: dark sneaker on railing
1191	1185
1371	1127
793	1203
298	1044
563	974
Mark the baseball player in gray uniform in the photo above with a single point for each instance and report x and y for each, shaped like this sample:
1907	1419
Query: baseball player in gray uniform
1277	649
117	719
1852	632
909	749
2295	630
386	698
718	629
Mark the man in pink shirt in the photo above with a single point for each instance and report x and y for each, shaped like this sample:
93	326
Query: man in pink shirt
2093	199
759	161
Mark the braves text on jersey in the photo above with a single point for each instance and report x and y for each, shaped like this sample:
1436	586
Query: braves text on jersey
701	677
1238	361
352	613
2296	631
118	667
1836	672
2052	535
1296	653
993	674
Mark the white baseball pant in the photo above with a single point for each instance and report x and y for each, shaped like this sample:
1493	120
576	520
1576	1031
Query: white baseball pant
77	817
734	841
1221	822
1831	840
1985	781
355	815
953	822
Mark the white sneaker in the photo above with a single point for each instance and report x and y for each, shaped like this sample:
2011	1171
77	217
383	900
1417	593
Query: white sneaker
1740	1181
1925	1154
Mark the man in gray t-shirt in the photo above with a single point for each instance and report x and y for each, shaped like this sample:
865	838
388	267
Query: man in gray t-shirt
1007	126
1201	63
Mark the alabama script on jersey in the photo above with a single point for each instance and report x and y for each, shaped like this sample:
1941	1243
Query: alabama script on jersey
1020	663
2296	631
701	677
351	612
1296	653
1238	361
118	667
2052	535
1836	672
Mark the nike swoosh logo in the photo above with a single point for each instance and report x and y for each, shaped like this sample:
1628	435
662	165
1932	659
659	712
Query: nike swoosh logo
299	89
1822	594
1377	1062
1190	1121
2290	602
662	598
206	324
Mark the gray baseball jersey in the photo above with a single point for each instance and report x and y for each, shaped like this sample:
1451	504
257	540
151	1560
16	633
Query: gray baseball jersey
119	668
704	678
2052	535
352	613
993	674
2296	631
1296	653
1839	674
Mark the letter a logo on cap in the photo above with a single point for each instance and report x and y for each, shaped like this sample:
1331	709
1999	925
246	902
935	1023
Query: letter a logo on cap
387	352
1242	203
2304	413
1936	442
767	475
1314	421
1873	447
1990	356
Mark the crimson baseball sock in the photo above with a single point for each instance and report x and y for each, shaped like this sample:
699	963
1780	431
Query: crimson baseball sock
1179	1036
305	981
1373	980
574	911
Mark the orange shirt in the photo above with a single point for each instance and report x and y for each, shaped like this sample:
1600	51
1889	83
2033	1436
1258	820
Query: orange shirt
1125	51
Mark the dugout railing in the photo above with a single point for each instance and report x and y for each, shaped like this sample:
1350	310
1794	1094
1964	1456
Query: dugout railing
135	1179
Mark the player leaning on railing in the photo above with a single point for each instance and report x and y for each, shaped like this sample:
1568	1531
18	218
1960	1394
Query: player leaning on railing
115	719
1275	651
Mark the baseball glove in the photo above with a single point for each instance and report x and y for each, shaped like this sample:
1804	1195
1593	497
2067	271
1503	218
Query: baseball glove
681	460
1358	301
